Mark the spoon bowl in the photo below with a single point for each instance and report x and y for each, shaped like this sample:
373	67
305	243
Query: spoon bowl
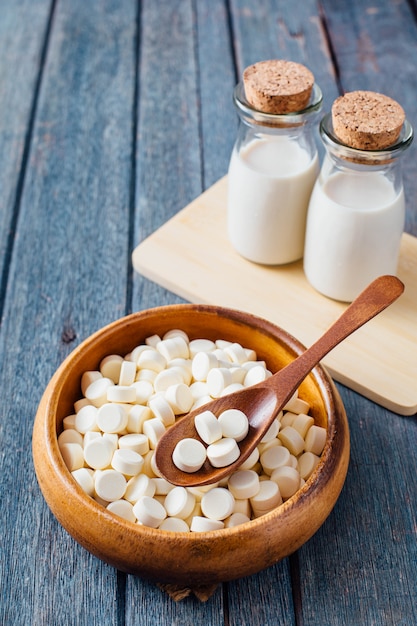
262	402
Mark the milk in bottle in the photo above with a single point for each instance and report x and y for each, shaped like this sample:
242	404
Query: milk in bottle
272	179
274	163
357	210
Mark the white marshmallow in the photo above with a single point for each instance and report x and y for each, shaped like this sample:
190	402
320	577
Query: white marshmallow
127	373
243	484
179	398
200	345
139	486
217	503
315	440
111	418
153	429
174	524
86	419
127	462
234	424
179	502
223	452
208	427
292	440
73	455
84	478
123	509
121	393
110	367
189	455
287	479
98	453
201	524
135	441
96	392
149	512
89	377
162	409
110	485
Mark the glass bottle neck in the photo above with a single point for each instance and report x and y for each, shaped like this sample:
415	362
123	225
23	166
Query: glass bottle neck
267	122
344	156
258	126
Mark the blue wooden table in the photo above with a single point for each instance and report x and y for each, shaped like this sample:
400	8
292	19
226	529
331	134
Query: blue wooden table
115	114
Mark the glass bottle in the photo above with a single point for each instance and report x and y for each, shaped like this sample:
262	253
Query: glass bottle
272	171
356	215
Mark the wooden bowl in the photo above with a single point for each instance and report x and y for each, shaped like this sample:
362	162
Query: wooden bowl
190	558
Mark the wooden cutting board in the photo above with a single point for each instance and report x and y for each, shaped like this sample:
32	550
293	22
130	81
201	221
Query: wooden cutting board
191	256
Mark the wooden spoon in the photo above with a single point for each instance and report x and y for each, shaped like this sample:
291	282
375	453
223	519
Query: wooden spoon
262	402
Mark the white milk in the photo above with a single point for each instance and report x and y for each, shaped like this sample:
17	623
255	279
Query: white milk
354	227
270	182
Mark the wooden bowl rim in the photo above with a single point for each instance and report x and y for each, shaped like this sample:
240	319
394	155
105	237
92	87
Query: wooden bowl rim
45	428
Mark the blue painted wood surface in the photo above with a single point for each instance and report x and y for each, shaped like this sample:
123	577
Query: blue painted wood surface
113	116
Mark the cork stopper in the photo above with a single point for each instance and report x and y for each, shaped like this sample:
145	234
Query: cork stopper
278	86
367	120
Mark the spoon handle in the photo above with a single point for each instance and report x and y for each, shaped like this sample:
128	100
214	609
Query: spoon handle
377	296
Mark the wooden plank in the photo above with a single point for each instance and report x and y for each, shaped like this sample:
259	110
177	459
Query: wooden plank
263	599
361	567
168	124
217	79
378	361
68	276
168	166
147	605
169	169
268	29
23	25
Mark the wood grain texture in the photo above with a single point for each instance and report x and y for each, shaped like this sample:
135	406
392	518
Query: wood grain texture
375	563
74	209
263	599
93	188
23	25
216	78
168	159
268	29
